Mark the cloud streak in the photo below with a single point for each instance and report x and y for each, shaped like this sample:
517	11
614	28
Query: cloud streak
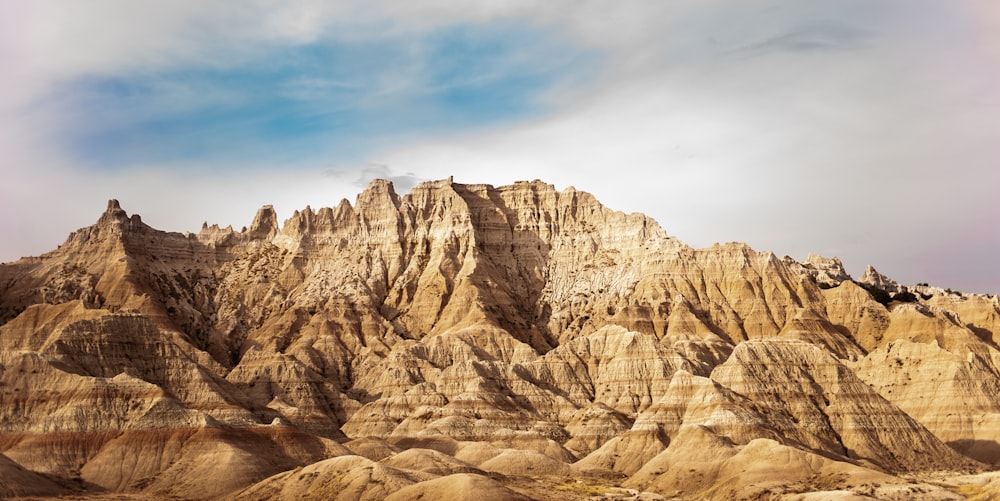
327	97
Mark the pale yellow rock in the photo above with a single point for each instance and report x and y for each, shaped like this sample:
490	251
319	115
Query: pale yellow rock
373	448
429	461
875	279
16	481
527	463
699	465
979	313
458	487
592	426
625	453
830	407
852	308
340	478
952	394
503	327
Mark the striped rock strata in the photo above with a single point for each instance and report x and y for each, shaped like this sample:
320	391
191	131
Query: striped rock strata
466	337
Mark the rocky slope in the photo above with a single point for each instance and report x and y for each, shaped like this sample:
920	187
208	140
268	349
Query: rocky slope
508	341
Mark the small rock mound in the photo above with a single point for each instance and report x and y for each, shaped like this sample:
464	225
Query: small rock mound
527	463
458	487
429	461
344	477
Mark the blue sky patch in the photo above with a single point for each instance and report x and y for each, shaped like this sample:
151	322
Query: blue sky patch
327	101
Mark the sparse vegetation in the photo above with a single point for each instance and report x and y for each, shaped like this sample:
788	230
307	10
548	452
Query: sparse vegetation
582	487
975	492
877	293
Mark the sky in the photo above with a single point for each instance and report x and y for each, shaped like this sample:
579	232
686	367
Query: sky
863	129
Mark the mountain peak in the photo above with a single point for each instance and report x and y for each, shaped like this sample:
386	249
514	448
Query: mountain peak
114	213
874	278
117	221
265	223
827	271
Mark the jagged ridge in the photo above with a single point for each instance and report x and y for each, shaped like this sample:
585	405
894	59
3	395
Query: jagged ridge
519	316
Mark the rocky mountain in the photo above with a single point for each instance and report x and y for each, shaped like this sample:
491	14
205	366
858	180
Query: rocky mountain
469	340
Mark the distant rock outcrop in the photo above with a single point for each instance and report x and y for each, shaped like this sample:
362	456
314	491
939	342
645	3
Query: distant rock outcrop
510	342
826	271
875	279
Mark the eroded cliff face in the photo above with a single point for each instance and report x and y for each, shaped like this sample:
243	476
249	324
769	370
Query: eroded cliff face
460	330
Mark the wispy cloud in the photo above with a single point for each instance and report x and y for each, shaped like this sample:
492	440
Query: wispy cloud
823	36
360	177
326	97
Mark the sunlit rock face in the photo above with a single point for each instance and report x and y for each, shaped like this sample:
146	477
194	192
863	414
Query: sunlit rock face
512	342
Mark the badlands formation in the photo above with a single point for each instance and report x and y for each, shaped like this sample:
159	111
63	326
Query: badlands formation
467	341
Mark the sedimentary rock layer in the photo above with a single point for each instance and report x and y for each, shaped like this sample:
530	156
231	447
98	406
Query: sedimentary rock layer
466	338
